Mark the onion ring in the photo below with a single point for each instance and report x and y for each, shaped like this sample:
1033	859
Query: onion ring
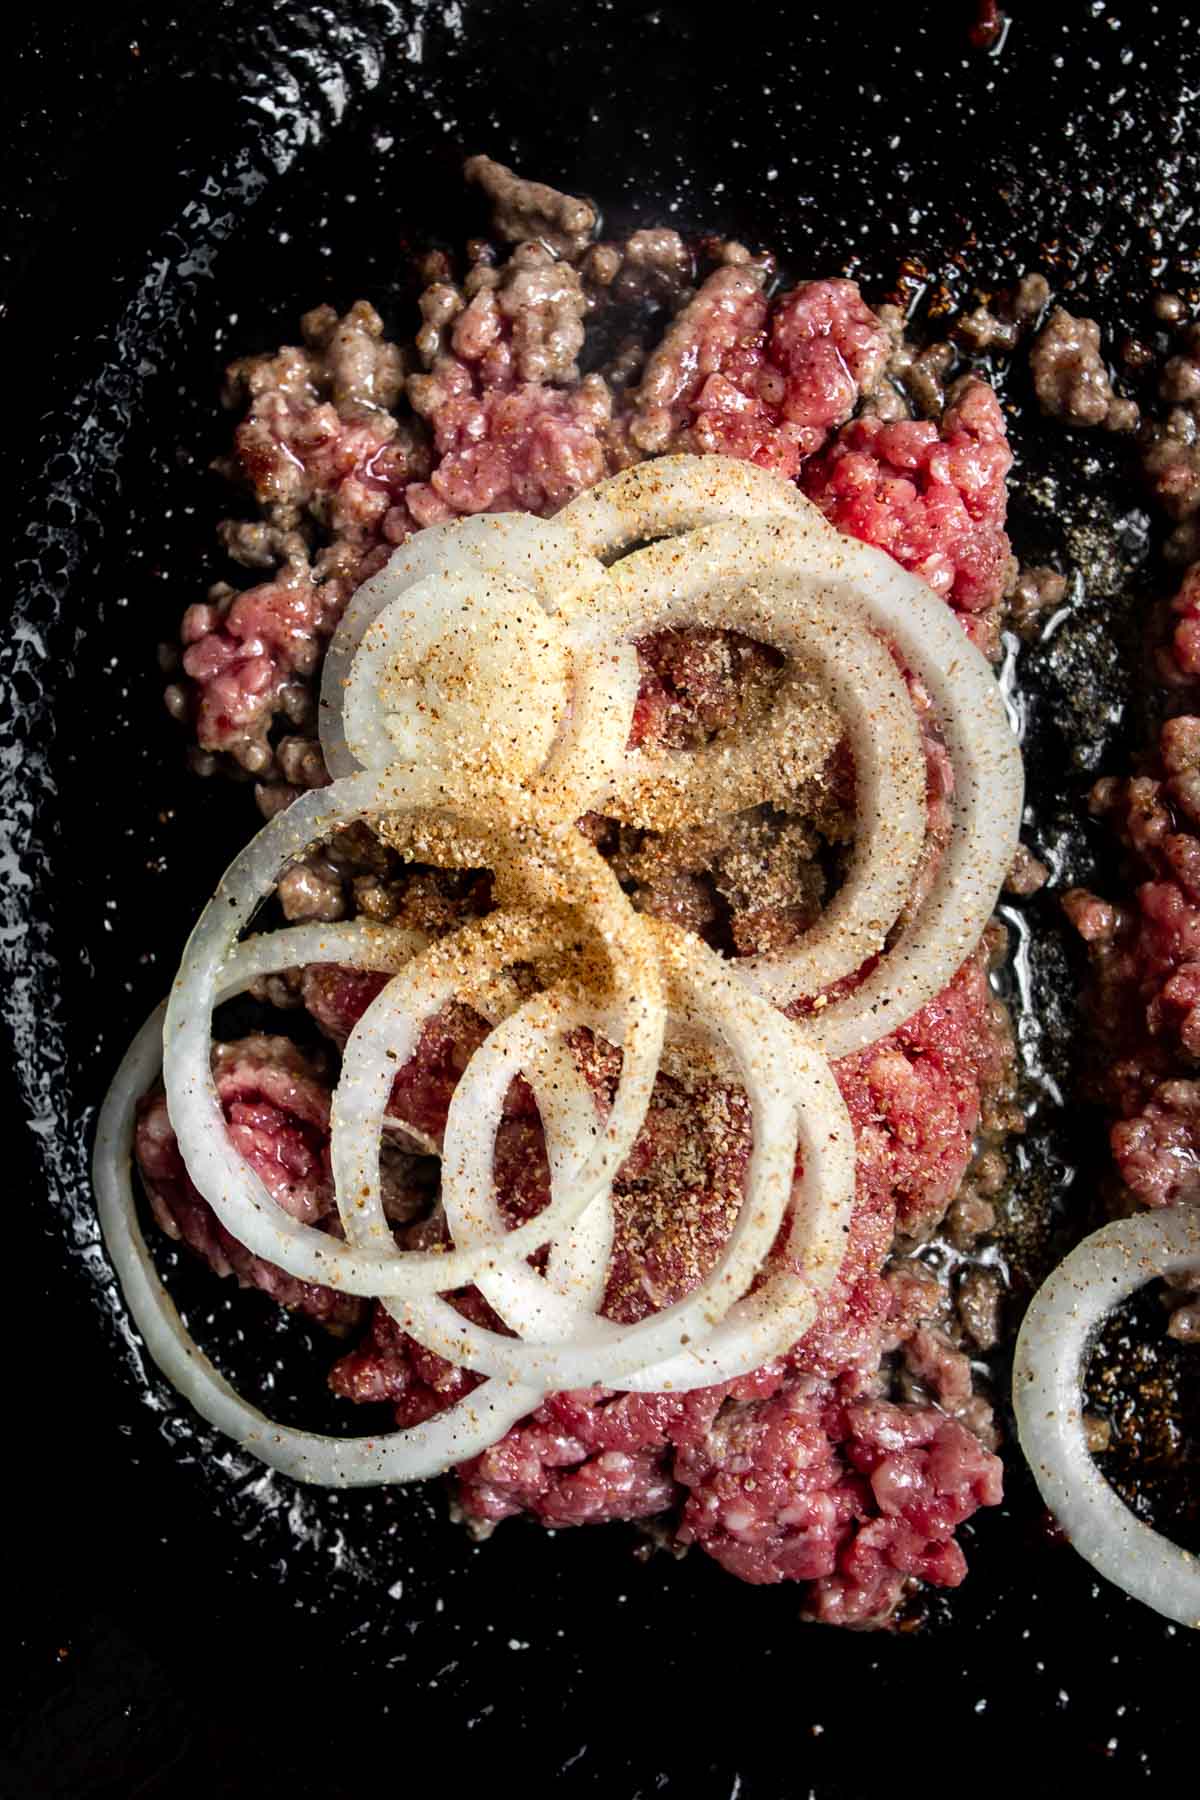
1048	1372
466	667
670	494
566	869
383	1041
511	546
784	1079
849	580
538	565
474	1423
795	611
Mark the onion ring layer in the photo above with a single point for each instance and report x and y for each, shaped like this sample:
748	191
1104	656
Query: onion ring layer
1048	1372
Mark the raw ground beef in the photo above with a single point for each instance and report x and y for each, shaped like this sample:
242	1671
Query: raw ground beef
276	1105
349	442
849	1464
932	496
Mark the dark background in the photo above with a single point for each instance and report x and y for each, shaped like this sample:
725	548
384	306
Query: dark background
174	1623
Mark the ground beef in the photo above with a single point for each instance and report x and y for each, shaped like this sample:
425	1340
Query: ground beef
1035	593
915	1098
1143	996
321	453
1001	324
1026	875
521	321
354	874
349	444
855	1499
524	211
653	268
244	653
988	30
276	1104
932	496
739	377
526	449
319	441
387	1367
980	1301
1071	378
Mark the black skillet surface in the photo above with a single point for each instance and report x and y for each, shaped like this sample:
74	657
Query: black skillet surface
180	183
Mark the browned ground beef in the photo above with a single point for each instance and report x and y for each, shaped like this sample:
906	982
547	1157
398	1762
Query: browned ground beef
1071	378
1170	445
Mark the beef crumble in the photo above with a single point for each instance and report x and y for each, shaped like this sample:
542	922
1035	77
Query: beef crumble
1071	378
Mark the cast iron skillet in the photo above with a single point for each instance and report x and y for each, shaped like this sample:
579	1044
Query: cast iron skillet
181	184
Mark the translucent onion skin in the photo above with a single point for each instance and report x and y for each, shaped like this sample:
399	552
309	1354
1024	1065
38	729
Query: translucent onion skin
1048	1372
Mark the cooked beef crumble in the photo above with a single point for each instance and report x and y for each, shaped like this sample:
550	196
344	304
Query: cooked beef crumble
1071	378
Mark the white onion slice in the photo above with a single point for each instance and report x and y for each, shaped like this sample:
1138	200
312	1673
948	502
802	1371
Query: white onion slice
565	870
776	533
383	1041
235	1192
804	613
855	581
777	1315
464	669
510	546
537	567
988	801
1048	1372
782	1077
670	494
465	1430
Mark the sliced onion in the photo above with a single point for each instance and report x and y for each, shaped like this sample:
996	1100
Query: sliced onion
1048	1373
461	668
545	560
235	1192
383	1041
509	567
565	871
988	801
690	579
468	1428
779	1313
700	1339
671	494
844	580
